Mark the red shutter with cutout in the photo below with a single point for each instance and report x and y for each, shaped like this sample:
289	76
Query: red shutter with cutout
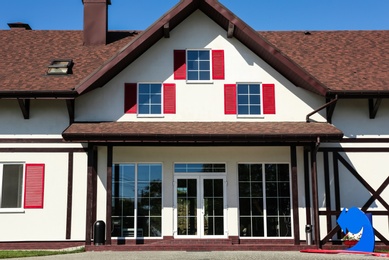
130	98
230	99
169	98
218	64
269	101
34	186
179	64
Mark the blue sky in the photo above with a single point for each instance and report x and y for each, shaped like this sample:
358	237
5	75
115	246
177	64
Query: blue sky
263	15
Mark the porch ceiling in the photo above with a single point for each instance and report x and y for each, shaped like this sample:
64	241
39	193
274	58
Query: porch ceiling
244	133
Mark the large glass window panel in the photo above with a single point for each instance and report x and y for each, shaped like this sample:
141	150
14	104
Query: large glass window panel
264	206
257	226
187	206
213	207
245	226
245	206
136	188
257	206
285	227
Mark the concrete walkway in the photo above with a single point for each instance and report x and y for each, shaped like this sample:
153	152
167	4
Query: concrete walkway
182	255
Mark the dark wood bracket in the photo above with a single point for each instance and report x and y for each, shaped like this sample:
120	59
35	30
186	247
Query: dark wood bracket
330	111
373	107
230	31
166	30
24	105
70	107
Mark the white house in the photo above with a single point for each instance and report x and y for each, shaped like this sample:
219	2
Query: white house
197	133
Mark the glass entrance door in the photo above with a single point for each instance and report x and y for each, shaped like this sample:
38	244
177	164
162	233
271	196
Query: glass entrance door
200	206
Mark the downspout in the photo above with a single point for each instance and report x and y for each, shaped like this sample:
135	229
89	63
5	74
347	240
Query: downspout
315	197
321	108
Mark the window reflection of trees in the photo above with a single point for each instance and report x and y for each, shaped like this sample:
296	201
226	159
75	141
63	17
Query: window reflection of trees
252	198
149	200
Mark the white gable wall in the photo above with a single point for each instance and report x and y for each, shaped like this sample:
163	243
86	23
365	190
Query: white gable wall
197	102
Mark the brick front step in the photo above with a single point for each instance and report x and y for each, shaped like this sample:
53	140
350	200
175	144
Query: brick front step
197	247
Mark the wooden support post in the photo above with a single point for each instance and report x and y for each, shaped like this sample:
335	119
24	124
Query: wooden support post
109	195
315	198
295	206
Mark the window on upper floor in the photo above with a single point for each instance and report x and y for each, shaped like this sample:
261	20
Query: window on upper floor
202	65
150	99
198	65
249	99
18	181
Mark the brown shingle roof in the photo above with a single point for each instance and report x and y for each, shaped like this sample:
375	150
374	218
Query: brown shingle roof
202	132
353	61
25	55
324	62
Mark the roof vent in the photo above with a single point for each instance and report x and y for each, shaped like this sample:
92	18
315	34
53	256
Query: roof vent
18	26
60	67
307	33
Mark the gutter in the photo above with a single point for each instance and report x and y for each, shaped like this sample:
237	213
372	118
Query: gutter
321	108
38	94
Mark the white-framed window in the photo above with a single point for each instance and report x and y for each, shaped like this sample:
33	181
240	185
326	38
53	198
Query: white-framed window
11	185
249	99
198	65
137	200
150	98
264	200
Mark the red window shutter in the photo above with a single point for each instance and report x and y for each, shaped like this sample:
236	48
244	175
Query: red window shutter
130	98
230	99
269	101
218	64
169	98
34	186
179	64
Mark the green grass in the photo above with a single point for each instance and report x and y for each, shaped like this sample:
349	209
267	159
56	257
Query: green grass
31	253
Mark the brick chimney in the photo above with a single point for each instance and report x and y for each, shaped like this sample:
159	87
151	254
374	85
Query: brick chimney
95	21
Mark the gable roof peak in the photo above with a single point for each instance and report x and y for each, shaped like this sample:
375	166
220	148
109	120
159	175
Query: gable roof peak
222	16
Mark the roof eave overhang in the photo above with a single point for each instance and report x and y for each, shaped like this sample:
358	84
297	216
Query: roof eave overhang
222	16
358	94
200	139
260	46
38	94
138	46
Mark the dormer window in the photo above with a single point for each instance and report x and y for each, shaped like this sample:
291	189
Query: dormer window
60	67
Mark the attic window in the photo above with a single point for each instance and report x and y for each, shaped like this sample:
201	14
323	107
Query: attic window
60	67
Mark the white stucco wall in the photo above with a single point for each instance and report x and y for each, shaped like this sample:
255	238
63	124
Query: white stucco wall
40	224
48	223
352	117
48	118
